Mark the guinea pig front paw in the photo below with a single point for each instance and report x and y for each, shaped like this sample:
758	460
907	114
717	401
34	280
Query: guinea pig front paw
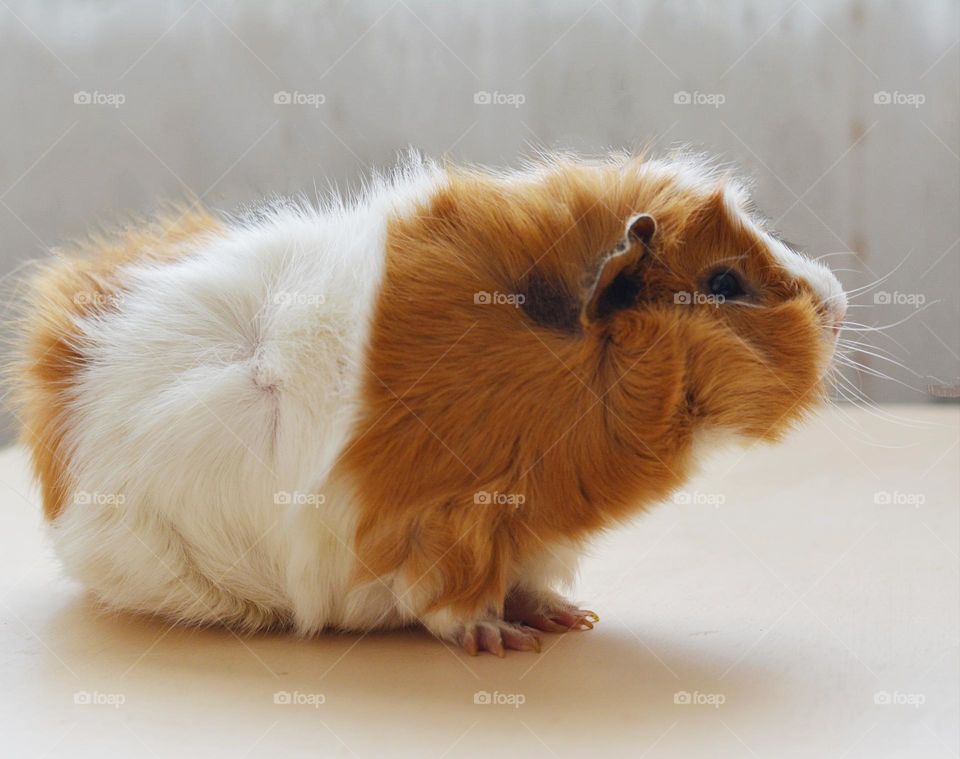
546	611
497	636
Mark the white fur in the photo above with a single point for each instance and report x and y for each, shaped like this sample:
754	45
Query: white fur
214	402
823	281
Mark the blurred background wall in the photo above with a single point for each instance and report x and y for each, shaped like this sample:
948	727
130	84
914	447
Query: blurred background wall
845	112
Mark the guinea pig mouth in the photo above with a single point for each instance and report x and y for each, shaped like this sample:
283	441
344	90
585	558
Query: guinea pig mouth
831	337
831	360
833	316
830	333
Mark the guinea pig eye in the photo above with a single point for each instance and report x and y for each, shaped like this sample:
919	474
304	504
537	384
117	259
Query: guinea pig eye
725	285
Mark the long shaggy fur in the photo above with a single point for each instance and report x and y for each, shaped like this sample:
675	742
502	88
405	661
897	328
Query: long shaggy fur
410	405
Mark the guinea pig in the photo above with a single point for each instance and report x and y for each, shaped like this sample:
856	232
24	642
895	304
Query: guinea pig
411	406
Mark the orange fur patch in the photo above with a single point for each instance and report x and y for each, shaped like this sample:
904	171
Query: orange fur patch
584	422
77	283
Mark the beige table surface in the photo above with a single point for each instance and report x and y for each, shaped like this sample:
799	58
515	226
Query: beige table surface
782	597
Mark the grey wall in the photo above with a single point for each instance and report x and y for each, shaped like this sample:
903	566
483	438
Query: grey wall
797	80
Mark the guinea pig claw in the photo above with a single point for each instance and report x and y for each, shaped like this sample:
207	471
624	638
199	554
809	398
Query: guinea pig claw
470	643
520	638
497	637
580	624
491	640
565	620
547	612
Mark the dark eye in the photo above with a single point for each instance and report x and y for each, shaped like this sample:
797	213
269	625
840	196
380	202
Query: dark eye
726	285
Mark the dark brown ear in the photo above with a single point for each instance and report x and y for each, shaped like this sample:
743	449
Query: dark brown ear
617	280
642	228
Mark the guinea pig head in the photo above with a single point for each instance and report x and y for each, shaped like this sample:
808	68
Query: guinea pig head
756	319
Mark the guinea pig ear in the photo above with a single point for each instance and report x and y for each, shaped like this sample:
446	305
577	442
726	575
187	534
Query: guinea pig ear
617	280
641	228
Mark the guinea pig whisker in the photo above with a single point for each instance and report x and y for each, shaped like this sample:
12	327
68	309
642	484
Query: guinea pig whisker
862	401
847	389
868	328
837	253
856	345
851	362
840	400
848	353
880	280
852	344
881	413
856	365
842	393
864	289
884	335
853	424
888	359
876	413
